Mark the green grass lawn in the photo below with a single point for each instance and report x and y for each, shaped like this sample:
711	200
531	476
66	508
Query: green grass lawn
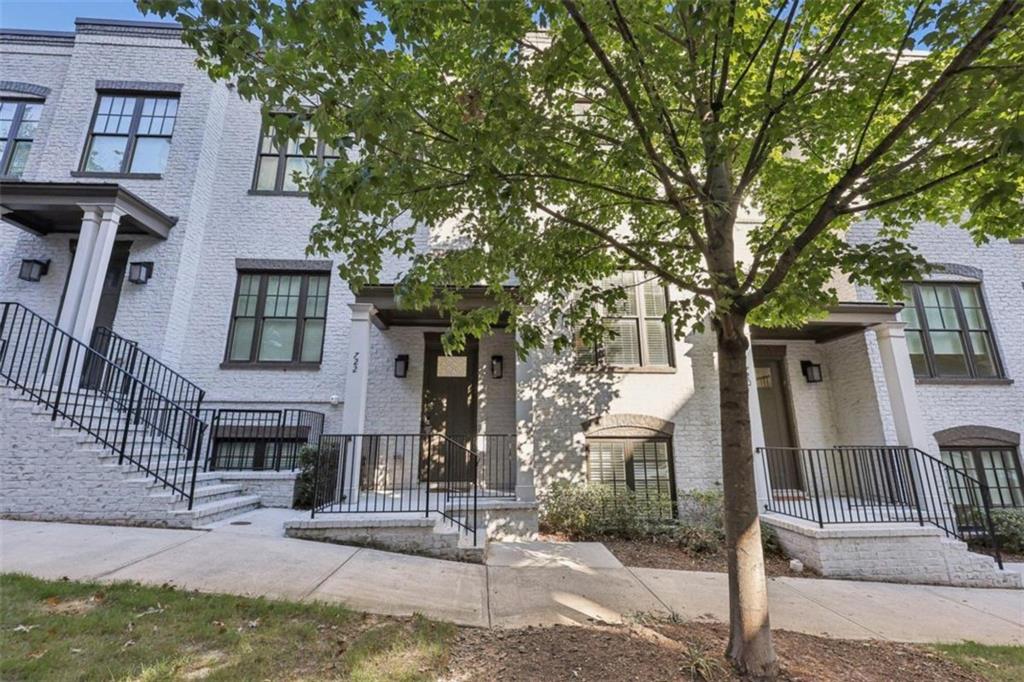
995	663
82	631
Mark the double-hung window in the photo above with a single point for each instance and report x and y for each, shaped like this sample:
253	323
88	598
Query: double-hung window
948	331
280	168
18	122
639	334
130	134
278	319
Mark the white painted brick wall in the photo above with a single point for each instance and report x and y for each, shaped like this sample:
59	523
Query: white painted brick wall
183	313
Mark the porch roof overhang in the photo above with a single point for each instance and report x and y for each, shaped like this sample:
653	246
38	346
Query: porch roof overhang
843	319
56	207
388	313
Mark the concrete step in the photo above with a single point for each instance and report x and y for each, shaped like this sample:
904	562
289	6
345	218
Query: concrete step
206	494
205	513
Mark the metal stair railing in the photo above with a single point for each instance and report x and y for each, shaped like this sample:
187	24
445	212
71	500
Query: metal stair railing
880	484
146	429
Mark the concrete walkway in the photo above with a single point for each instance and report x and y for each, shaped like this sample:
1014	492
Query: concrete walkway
522	584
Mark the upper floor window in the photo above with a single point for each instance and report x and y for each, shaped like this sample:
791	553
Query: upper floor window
18	122
278	318
130	134
948	332
639	333
278	165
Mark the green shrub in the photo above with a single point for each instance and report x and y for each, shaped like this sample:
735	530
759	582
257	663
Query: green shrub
589	510
307	477
1009	527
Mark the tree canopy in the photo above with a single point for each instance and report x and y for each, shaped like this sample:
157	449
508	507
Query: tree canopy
631	134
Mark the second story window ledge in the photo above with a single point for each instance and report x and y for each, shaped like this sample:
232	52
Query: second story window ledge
130	136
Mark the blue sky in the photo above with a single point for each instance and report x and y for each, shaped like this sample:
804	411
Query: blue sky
59	15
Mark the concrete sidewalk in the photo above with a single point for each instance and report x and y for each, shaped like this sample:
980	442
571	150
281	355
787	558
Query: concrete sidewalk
522	584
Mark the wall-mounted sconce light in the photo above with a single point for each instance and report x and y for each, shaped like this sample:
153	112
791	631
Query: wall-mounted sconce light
139	273
812	371
401	366
497	366
32	270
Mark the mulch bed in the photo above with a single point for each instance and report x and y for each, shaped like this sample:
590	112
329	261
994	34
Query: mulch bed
661	553
667	651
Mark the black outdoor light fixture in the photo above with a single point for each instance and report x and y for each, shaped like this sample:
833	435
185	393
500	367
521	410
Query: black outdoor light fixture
140	272
497	366
812	371
32	270
401	366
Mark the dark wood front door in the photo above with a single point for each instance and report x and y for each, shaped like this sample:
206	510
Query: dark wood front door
783	468
449	408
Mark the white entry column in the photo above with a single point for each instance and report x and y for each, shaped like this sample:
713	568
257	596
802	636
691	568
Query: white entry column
99	261
353	419
761	482
899	380
91	218
525	487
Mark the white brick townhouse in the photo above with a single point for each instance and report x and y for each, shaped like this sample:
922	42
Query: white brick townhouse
167	346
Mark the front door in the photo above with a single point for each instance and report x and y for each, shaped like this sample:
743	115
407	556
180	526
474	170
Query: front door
449	408
783	468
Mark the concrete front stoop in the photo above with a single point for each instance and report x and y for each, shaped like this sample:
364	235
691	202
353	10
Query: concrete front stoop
52	471
409	533
889	552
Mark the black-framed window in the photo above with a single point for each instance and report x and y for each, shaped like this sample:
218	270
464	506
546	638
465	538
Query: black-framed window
255	454
640	335
997	467
639	465
277	165
19	120
278	318
130	134
948	331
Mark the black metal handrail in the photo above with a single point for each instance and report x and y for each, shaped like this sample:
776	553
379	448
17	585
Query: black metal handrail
148	430
397	473
879	484
259	439
497	462
126	354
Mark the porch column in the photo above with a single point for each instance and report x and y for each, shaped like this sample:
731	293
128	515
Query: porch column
98	261
756	430
899	380
91	217
357	369
525	490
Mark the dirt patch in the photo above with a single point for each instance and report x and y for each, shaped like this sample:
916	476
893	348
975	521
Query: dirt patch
661	553
73	607
670	651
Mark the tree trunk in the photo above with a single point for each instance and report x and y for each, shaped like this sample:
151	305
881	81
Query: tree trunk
750	638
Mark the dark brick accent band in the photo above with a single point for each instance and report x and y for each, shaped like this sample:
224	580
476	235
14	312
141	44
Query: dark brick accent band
958	269
25	88
138	86
283	264
628	426
975	435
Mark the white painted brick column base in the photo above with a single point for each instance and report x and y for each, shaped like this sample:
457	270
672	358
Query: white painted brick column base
889	552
